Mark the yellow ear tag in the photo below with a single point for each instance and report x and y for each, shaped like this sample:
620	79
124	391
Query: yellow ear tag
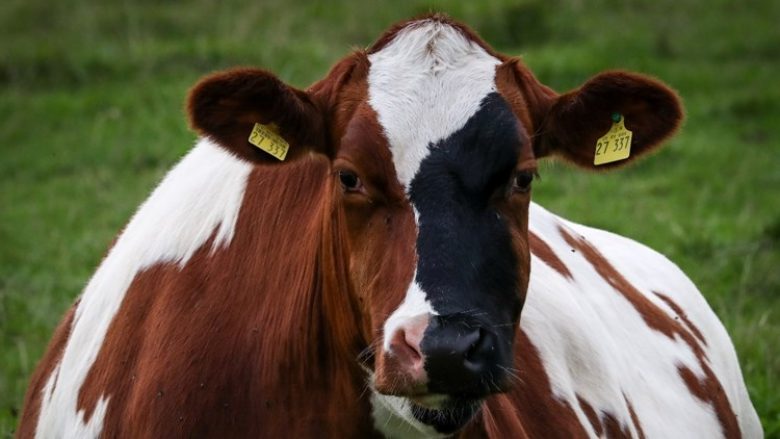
267	138
615	145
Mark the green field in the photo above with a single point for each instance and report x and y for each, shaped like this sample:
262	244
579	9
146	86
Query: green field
91	98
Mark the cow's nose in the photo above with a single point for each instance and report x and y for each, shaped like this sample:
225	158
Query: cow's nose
459	354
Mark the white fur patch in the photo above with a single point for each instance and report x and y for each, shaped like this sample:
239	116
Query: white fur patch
595	345
415	304
199	197
424	86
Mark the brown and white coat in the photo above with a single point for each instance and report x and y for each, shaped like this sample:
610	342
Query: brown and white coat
327	295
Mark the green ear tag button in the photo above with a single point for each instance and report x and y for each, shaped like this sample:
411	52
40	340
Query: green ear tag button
267	138
615	145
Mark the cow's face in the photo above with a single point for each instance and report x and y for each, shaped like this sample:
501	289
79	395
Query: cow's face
433	140
450	203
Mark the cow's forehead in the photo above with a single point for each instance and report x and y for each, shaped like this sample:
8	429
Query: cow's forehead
425	85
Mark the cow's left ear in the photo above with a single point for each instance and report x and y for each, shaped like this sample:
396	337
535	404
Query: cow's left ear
225	107
570	125
578	119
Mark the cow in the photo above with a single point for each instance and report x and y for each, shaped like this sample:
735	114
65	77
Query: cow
391	276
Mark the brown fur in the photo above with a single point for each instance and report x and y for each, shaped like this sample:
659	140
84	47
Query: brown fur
634	418
541	250
592	416
606	424
710	391
613	428
682	315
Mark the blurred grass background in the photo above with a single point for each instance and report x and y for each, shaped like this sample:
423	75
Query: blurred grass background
91	117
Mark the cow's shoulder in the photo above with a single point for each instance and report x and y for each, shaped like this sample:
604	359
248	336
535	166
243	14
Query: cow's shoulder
625	337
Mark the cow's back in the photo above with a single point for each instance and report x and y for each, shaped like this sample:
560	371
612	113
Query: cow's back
619	340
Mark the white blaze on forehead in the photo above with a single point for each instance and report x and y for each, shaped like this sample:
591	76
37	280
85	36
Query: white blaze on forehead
424	86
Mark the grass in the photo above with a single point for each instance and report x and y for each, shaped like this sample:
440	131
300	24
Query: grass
91	101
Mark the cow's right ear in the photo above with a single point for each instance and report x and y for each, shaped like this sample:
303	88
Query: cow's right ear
225	107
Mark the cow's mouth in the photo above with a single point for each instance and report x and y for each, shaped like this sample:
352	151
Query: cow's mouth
448	418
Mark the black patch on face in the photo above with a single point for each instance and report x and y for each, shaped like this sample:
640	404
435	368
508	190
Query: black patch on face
467	265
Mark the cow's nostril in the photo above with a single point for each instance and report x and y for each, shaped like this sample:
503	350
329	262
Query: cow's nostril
475	356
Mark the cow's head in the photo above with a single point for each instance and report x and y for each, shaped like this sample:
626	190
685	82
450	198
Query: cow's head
433	140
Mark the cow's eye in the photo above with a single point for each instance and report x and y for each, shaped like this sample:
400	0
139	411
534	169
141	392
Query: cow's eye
350	181
522	181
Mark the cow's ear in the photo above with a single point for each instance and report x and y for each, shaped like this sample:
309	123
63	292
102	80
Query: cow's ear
225	107
570	125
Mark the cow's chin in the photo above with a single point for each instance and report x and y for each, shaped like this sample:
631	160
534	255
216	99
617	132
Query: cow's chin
406	394
445	414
